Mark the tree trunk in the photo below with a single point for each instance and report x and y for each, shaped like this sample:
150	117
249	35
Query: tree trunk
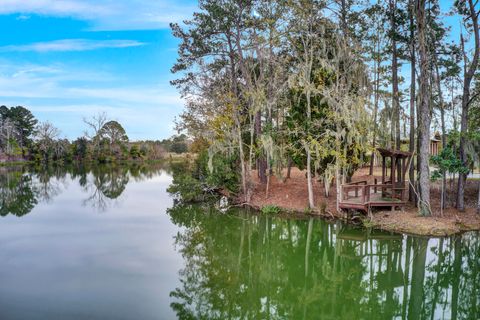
444	131
261	161
424	113
338	175
395	90
411	146
233	79
289	167
375	112
468	76
442	195
311	202
242	164
478	203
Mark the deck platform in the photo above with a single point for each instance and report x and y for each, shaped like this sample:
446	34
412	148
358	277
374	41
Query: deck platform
363	196
390	192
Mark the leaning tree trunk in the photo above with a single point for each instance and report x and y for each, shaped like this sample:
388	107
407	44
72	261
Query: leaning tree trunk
411	147
462	177
478	203
468	76
424	112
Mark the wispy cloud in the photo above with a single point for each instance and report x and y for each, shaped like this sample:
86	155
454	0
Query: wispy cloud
56	82
23	17
72	45
64	95
57	8
107	14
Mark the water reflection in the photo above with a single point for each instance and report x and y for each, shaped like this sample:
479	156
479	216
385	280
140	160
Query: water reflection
241	266
17	196
105	185
23	187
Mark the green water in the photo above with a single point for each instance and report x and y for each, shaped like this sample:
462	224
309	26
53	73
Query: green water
110	243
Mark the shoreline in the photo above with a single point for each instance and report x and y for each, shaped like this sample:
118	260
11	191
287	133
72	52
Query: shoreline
382	220
290	196
89	162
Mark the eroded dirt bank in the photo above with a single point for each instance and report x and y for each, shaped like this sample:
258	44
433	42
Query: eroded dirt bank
291	195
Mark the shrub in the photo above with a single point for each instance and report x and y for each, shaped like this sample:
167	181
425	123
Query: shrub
135	152
224	175
271	210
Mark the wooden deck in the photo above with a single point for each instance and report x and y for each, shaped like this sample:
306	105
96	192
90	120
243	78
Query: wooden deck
362	196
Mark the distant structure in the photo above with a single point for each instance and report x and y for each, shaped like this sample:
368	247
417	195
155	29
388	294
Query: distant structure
435	144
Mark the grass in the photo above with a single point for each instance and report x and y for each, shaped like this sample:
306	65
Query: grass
270	210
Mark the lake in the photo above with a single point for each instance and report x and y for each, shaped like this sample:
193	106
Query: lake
109	242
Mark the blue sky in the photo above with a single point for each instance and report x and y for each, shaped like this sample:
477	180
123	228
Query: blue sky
70	59
65	60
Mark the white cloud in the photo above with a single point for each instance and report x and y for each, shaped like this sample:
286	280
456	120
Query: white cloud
57	81
54	7
107	14
72	45
23	17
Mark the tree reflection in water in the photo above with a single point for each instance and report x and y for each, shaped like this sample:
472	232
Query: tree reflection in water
23	187
105	185
242	266
16	194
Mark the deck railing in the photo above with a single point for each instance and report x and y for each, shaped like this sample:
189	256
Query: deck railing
362	192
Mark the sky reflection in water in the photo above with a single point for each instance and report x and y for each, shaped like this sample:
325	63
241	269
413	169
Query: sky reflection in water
110	243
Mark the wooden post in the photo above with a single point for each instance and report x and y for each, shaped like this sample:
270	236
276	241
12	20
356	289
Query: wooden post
384	169
392	169
363	195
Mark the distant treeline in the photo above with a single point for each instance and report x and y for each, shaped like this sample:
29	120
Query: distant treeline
23	137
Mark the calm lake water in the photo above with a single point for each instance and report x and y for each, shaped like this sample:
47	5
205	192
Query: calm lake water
111	243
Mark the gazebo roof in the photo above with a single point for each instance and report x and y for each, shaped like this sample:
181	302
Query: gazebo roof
394	153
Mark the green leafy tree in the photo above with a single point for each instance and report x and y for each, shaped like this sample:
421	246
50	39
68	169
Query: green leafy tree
135	152
179	144
24	123
113	132
80	149
113	138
